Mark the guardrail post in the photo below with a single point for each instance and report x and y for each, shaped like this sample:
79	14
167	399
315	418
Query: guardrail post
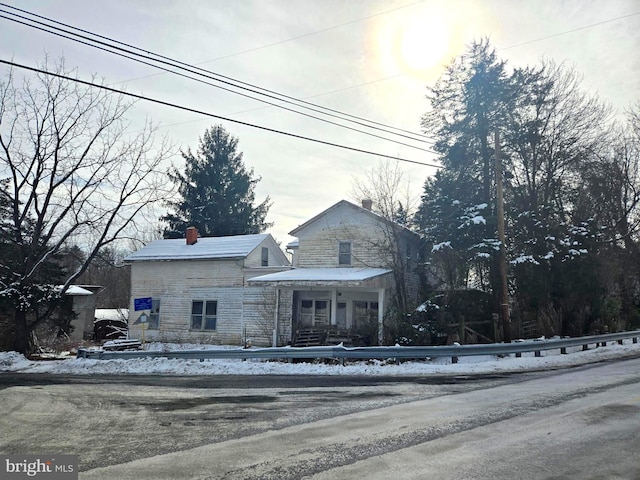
538	353
518	354
454	359
620	342
585	347
563	351
634	339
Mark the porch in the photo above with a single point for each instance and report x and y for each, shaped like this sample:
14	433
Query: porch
348	301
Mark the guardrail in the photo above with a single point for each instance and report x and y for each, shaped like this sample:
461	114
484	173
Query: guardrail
397	352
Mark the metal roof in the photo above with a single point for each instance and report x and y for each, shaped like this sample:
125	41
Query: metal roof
237	246
322	275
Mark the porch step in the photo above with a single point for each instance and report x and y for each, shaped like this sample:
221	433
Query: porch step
345	337
313	337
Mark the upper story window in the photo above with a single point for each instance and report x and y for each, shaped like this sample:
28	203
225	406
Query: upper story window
265	257
344	253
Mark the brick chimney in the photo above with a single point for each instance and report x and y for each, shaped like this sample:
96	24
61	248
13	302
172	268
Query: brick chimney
192	235
367	203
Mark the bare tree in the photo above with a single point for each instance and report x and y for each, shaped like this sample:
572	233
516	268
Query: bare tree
390	195
389	191
75	176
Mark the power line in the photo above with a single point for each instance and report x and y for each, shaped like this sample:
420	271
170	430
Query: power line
217	86
201	112
222	78
298	37
570	31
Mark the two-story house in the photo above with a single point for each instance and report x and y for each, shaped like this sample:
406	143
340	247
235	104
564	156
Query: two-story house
350	266
200	292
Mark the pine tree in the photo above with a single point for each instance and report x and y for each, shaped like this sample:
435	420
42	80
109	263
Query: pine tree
217	191
550	131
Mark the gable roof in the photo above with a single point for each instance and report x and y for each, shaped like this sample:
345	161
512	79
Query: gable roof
236	246
357	208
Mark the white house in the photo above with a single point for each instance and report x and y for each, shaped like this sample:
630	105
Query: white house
349	263
200	291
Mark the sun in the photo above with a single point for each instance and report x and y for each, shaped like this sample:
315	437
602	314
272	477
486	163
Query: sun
423	44
415	43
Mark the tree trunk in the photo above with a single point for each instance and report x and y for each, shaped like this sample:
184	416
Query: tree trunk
21	342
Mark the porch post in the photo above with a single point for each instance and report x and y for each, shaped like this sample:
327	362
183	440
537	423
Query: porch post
334	309
275	318
381	308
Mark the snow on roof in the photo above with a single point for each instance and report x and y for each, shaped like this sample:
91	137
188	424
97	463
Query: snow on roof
75	290
237	246
322	274
111	314
343	203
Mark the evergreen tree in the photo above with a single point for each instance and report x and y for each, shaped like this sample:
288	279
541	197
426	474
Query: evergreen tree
468	102
217	191
550	131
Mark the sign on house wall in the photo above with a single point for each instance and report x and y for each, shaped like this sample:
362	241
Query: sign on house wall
142	303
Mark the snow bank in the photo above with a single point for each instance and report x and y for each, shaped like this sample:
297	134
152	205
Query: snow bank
14	362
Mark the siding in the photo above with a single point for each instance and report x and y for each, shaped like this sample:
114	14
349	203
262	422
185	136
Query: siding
178	283
367	246
276	257
259	312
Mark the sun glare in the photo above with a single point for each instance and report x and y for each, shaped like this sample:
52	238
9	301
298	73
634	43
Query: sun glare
423	44
415	44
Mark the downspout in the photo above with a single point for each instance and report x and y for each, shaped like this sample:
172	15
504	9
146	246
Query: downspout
243	335
275	319
381	308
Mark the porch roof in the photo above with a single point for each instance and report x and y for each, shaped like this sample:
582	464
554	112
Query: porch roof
321	276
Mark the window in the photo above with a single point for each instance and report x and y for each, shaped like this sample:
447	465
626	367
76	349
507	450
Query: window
265	257
364	312
204	314
314	313
154	317
344	253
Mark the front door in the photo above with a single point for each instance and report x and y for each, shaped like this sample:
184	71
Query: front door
341	315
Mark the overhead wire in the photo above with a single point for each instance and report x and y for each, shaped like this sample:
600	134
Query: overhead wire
273	92
569	31
216	76
201	112
297	37
219	87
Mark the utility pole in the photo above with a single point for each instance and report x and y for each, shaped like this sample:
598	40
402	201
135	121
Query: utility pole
504	296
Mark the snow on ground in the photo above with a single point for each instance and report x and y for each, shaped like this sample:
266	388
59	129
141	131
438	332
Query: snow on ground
551	359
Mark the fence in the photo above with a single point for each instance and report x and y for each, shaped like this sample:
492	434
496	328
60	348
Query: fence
361	353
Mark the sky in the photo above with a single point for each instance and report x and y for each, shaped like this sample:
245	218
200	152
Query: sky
373	59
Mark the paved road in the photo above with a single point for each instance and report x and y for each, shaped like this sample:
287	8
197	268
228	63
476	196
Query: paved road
115	419
582	423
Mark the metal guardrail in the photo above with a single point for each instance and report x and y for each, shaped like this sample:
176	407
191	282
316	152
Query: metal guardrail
397	352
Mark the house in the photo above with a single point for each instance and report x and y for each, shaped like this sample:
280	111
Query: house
350	266
199	289
82	300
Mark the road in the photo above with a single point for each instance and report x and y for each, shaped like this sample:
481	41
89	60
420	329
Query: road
580	423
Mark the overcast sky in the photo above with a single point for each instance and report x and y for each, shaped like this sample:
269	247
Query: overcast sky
372	58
